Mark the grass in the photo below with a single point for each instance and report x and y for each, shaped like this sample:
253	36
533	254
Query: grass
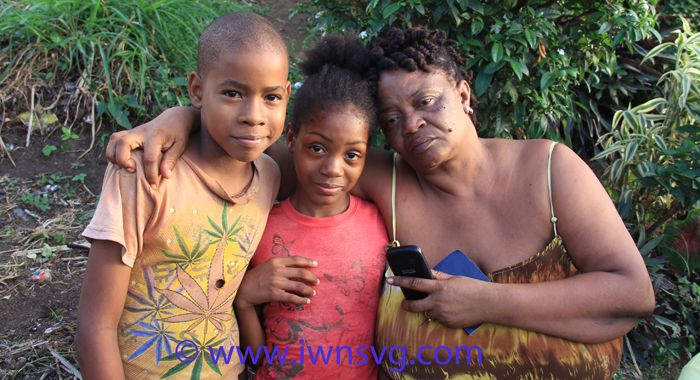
130	55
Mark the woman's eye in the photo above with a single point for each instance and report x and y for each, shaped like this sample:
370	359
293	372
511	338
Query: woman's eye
232	94
392	120
426	101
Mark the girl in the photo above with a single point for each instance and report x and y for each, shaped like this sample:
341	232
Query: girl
332	125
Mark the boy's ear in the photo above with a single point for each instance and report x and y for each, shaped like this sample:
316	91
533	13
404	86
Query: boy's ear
289	90
290	137
195	86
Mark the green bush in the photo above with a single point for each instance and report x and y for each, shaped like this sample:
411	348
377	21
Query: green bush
542	68
134	54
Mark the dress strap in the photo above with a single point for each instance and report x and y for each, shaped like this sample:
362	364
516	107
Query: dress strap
549	185
394	242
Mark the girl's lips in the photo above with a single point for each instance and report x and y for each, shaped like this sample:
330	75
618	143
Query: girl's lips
327	189
249	142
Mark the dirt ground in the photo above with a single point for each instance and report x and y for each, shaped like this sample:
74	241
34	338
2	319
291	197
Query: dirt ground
38	318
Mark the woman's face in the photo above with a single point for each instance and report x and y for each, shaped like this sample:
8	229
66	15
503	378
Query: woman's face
422	115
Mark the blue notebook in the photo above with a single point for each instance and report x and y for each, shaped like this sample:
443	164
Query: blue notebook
458	264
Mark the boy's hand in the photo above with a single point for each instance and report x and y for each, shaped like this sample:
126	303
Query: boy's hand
273	280
163	140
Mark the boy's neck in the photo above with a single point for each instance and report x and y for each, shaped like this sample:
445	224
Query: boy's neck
232	174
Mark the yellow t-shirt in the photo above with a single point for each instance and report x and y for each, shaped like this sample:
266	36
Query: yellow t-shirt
189	244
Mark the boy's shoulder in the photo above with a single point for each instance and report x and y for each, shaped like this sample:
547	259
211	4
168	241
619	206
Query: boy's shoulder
269	173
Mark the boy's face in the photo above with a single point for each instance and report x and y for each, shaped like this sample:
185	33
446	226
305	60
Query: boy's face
329	155
243	98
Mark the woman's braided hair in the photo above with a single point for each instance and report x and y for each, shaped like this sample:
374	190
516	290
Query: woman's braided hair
419	48
337	77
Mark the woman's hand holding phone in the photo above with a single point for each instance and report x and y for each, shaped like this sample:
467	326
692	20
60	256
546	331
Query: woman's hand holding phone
454	301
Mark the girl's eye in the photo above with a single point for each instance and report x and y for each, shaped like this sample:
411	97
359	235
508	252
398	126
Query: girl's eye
232	94
316	149
352	155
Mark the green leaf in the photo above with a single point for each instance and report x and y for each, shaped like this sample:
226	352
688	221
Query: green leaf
547	13
493	67
482	82
476	26
651	244
388	11
630	151
420	9
656	51
620	37
497	52
531	38
477	6
604	27
197	369
123	119
660	142
547	80
215	227
515	65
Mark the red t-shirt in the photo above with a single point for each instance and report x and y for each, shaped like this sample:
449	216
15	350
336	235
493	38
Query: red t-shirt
349	249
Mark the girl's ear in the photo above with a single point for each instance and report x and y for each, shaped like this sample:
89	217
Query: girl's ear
291	138
195	86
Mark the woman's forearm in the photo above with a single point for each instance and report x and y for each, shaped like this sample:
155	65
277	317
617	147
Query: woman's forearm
592	307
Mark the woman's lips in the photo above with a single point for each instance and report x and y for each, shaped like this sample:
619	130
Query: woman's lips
421	144
327	188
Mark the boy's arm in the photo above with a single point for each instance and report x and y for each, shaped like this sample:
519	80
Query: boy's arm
101	305
250	326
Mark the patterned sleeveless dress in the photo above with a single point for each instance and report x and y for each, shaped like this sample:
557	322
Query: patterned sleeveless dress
492	351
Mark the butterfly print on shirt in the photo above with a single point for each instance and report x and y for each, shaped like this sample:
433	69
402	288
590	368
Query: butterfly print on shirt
279	247
351	281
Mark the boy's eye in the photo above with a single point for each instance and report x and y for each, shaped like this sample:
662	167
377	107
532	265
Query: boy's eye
232	94
273	98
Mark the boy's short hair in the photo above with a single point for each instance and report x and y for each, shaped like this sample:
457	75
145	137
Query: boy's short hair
234	31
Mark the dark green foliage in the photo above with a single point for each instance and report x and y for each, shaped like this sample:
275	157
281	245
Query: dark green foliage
542	69
681	242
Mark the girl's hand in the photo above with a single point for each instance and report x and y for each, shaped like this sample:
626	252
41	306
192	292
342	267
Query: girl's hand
273	280
163	140
454	301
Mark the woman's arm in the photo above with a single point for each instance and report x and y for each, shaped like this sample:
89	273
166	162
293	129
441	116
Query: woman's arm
609	297
101	305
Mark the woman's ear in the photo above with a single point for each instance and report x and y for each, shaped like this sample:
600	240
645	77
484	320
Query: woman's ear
195	86
290	137
465	94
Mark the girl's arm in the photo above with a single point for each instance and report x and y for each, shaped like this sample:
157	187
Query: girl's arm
271	281
101	305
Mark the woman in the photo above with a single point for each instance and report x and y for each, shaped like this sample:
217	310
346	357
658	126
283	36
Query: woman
550	312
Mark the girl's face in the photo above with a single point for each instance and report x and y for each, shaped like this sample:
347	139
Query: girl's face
422	115
329	155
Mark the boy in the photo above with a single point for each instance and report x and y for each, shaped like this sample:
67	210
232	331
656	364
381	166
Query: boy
166	261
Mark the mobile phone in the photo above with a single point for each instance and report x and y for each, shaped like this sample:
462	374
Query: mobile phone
408	260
